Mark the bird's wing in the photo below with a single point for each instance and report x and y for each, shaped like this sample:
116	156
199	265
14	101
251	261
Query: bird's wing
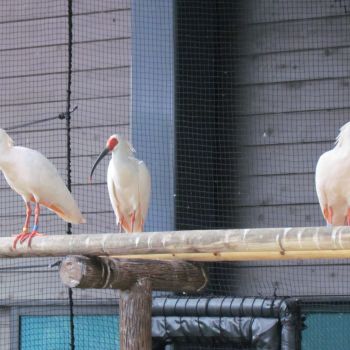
42	182
321	176
144	188
319	181
113	196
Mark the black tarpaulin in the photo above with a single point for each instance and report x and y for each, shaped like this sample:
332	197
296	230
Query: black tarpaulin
260	323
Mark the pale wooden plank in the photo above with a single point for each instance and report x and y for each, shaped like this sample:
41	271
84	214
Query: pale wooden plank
280	216
281	159
86	84
53	59
82	6
293	127
285	10
15	115
33	89
104	83
291	66
41	60
18	10
277	190
283	280
298	35
106	25
295	96
54	31
102	54
105	111
43	32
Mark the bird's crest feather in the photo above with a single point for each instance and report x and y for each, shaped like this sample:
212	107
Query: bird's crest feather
10	141
344	135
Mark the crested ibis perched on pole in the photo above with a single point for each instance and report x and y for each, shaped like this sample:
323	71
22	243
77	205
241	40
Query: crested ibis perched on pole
333	180
129	184
36	179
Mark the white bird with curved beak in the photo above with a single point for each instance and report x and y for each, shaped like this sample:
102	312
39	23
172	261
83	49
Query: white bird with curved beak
333	180
36	179
129	184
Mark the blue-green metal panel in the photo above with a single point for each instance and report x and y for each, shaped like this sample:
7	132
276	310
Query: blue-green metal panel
53	332
327	331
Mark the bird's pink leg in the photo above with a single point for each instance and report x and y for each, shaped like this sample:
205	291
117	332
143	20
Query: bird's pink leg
328	214
24	234
36	224
348	217
133	221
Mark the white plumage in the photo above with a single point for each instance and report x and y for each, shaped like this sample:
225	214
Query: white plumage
333	180
36	179
129	184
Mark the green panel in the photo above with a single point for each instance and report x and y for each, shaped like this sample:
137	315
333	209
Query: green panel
53	332
326	331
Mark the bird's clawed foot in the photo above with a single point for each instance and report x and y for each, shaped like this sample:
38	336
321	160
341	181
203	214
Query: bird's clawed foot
34	233
21	237
24	235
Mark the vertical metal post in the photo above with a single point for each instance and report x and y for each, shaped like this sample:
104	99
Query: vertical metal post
68	131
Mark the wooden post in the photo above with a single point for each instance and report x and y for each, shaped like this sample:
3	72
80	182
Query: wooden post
135	279
103	272
135	306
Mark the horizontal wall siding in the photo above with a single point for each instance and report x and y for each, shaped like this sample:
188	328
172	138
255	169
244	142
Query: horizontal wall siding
285	10
295	65
303	34
293	93
17	10
33	76
293	127
294	96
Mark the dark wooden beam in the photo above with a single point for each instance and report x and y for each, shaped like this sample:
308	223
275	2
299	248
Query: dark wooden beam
104	272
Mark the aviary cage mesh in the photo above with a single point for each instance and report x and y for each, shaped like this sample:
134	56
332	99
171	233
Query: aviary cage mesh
230	103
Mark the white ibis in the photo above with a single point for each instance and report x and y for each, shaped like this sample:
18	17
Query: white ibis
129	184
333	180
36	179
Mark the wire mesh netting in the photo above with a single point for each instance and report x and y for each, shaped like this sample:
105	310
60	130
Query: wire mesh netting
229	103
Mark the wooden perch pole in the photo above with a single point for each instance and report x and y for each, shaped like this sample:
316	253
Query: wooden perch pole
103	272
209	245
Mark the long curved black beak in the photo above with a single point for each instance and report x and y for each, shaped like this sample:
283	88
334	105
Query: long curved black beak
103	153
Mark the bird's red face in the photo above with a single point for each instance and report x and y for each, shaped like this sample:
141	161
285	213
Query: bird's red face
112	143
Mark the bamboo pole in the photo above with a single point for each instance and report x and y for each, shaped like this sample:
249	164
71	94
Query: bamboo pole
244	256
246	244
